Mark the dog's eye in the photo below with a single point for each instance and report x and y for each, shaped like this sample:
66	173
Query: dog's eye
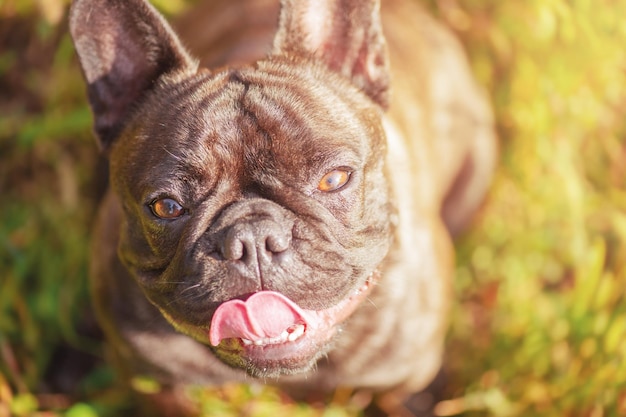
167	208
334	180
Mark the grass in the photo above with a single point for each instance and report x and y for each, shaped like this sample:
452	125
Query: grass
539	326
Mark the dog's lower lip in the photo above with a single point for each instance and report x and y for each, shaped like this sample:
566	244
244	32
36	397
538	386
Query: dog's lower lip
327	322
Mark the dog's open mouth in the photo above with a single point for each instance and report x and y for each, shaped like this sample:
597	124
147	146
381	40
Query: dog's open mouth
270	318
268	330
266	318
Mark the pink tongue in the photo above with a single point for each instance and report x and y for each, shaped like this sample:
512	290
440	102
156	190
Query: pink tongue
265	314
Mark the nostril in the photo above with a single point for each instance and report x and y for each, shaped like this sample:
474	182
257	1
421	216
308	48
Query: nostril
277	244
255	242
238	244
233	249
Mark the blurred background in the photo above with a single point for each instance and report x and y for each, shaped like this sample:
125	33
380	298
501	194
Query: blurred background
539	324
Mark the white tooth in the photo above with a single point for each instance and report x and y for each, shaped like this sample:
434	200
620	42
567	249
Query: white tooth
296	333
273	340
291	334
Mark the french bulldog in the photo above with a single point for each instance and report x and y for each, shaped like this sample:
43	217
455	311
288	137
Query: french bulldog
281	207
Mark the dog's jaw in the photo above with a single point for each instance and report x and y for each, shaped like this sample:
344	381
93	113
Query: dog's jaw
294	349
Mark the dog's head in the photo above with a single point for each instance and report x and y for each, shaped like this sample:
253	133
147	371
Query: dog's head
256	211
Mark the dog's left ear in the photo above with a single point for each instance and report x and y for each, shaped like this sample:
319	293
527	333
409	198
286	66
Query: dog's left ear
345	34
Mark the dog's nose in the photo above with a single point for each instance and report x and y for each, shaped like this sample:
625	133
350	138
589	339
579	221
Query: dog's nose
256	242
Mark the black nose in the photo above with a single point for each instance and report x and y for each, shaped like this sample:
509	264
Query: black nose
256	242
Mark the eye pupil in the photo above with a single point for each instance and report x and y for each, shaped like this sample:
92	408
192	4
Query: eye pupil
334	180
167	208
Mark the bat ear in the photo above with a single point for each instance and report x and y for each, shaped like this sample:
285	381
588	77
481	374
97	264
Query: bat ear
123	47
345	34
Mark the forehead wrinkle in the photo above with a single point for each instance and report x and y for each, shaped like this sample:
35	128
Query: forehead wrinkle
259	158
218	116
313	81
193	136
303	133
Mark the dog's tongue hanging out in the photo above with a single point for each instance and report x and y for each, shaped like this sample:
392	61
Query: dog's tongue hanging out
265	315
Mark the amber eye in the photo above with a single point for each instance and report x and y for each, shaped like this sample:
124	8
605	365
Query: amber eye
167	208
334	180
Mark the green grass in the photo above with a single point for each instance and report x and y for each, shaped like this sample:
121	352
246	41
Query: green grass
539	325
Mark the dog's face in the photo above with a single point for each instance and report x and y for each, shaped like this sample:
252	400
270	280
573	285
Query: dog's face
256	210
249	187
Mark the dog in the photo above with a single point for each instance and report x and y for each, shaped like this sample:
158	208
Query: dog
282	206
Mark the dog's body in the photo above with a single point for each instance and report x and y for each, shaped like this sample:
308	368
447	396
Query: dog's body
279	180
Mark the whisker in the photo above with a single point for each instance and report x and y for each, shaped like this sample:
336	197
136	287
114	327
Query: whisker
188	297
369	300
190	288
177	157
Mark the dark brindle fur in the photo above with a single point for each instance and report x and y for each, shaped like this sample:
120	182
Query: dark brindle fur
322	172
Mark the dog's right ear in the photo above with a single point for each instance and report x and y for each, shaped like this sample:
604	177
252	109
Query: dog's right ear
346	35
123	47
